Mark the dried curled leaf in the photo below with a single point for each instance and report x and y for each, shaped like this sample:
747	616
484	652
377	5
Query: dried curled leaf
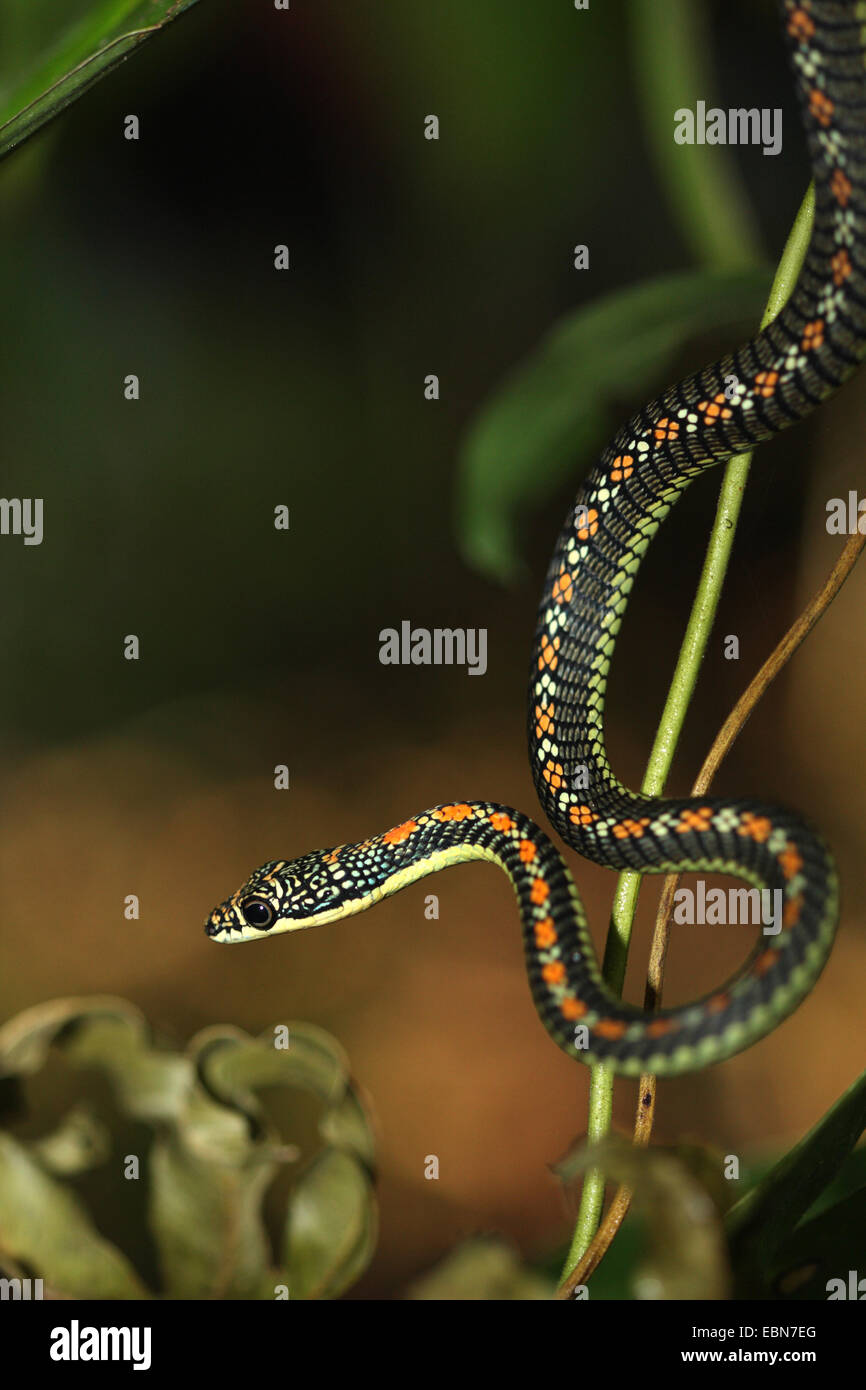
483	1269
331	1227
206	1170
45	1227
79	1142
686	1256
106	1033
206	1219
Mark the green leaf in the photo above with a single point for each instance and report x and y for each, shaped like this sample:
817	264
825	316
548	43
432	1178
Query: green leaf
45	1227
26	1037
106	1033
53	52
766	1215
331	1225
348	1126
550	418
206	1219
482	1269
214	1156
234	1065
149	1083
79	1143
821	1250
331	1228
850	1177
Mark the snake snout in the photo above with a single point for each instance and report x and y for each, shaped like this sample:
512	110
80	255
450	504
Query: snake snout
219	921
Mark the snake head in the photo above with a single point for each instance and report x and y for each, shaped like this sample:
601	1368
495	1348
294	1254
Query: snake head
285	895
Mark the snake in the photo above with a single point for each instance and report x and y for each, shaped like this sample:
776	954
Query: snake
773	381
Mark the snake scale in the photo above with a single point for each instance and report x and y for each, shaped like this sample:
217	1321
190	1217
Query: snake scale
779	377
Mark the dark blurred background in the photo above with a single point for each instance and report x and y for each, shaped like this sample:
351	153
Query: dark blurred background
261	647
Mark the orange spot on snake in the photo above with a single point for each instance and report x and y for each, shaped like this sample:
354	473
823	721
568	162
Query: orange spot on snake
572	1008
553	774
699	819
791	860
718	1003
666	430
801	26
631	829
609	1028
841	187
659	1027
540	891
622	467
841	264
716	409
757	828
563	587
545	933
821	106
400	832
791	914
765	962
459	811
548	656
766	383
584	532
543	720
813	335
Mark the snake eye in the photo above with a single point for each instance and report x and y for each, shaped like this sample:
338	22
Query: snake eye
257	913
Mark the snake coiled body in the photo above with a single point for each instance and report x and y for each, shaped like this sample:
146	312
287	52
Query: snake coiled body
773	381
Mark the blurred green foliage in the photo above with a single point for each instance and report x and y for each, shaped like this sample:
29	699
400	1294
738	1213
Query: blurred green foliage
209	1158
543	425
211	1152
483	1269
49	61
408	256
781	1231
808	1213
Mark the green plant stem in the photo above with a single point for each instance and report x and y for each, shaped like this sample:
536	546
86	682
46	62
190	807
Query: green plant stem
670	726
